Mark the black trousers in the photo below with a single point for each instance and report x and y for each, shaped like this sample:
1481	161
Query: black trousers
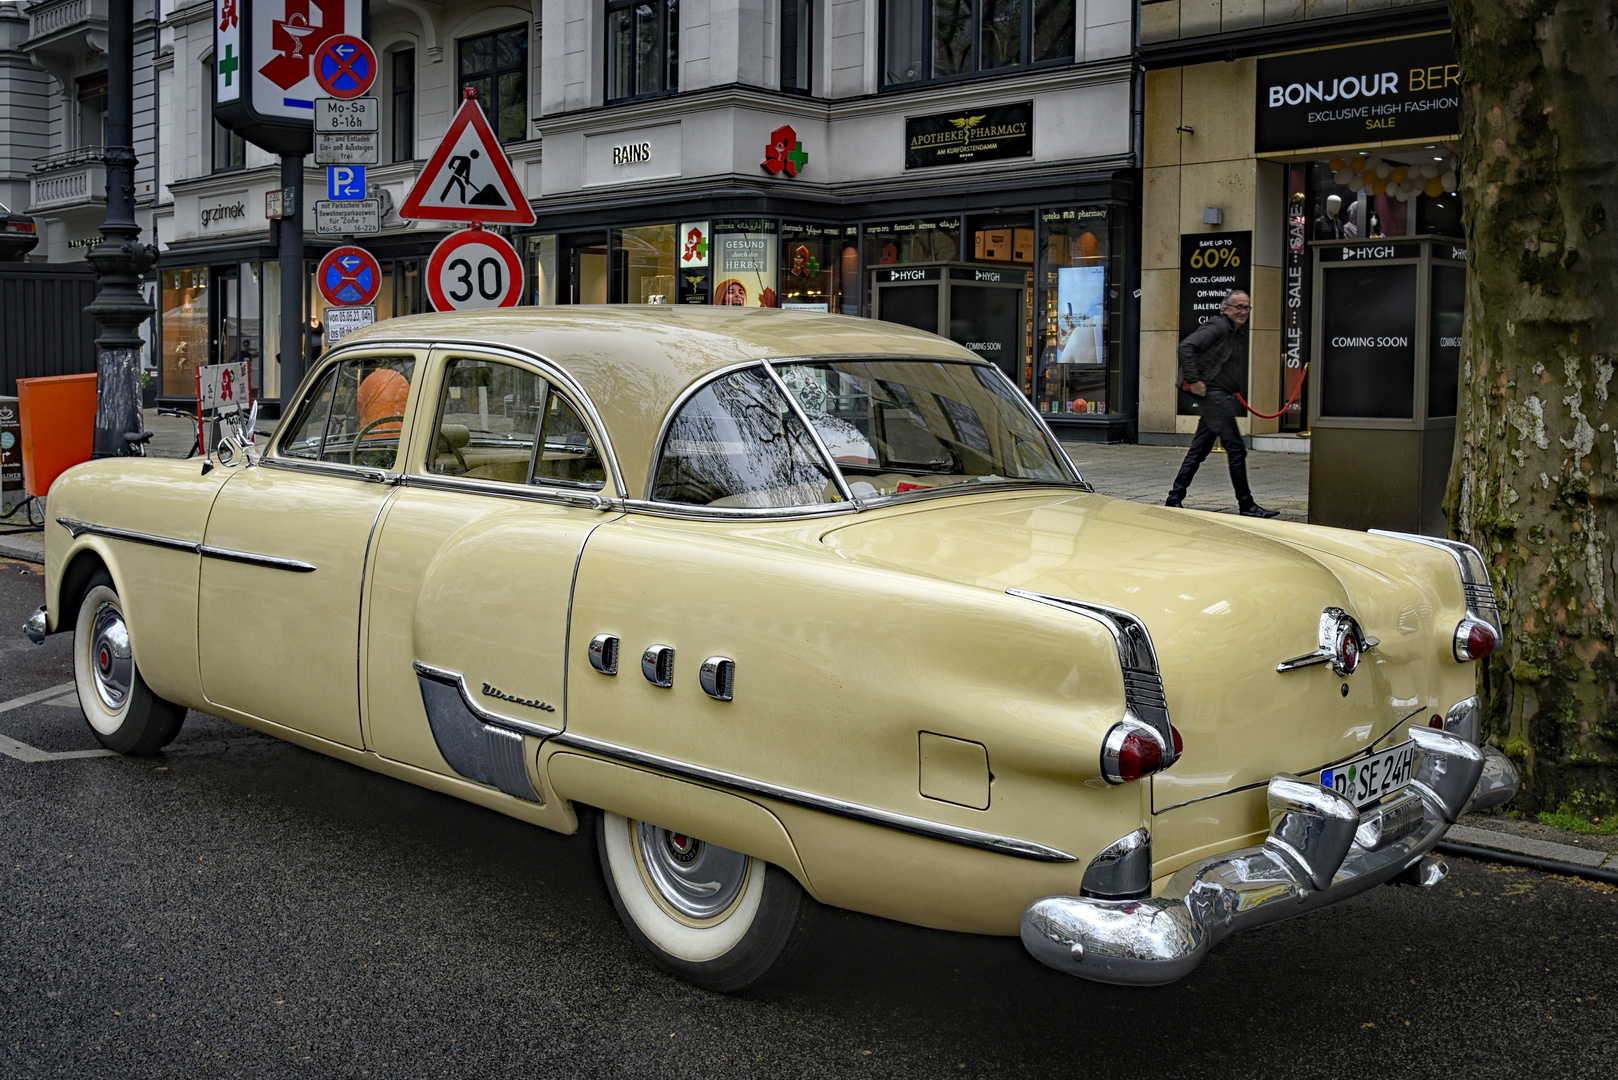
1219	412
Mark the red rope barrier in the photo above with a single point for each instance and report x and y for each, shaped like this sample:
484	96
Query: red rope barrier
1284	408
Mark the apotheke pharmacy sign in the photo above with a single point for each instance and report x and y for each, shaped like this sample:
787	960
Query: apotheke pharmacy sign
1357	94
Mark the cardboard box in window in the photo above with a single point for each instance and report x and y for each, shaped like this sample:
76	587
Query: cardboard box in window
1022	246
993	245
1059	252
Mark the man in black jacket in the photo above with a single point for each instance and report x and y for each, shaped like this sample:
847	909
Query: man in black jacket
1210	367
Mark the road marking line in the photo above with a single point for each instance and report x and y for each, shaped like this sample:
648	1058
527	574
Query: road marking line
22	751
38	695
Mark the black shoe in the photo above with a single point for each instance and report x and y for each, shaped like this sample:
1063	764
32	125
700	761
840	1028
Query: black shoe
1171	501
1255	510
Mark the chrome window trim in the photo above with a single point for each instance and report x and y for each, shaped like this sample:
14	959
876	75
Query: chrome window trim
520	492
1145	700
76	528
327	468
932	830
494	719
797	408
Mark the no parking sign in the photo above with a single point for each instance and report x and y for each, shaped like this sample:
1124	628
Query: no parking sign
474	269
345	66
348	276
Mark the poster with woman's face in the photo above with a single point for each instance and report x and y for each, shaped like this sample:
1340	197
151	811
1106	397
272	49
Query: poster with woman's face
1081	296
744	269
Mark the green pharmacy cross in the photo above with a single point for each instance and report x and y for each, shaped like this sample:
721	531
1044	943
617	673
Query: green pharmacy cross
228	66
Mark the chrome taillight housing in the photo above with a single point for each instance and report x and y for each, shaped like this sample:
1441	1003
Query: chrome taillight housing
1133	751
1480	632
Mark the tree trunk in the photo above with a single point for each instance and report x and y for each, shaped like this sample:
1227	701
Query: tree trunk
1536	463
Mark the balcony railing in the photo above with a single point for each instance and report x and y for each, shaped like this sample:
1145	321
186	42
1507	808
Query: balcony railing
47	19
78	185
79	155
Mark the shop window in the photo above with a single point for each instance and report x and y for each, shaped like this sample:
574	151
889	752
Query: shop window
403	66
92	96
911	240
745	264
644	262
924	40
797	44
539	255
643	48
496	66
1076	313
811	259
228	149
184	329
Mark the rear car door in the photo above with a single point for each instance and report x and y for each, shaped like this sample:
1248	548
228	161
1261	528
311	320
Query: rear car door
474	565
279	600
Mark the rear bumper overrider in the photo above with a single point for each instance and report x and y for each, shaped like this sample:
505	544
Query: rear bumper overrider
1320	850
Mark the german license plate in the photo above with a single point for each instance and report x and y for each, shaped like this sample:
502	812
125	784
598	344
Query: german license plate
1369	779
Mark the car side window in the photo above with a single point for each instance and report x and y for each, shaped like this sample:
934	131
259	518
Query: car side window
353	414
488	414
737	443
568	456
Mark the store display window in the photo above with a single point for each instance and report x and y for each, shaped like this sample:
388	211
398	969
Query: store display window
912	240
1007	240
539	262
184	329
1076	313
811	260
1369	195
745	264
644	263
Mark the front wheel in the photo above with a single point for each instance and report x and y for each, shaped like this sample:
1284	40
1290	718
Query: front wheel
712	916
123	712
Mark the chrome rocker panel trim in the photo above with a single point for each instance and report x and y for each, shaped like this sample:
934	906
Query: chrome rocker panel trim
77	529
1310	859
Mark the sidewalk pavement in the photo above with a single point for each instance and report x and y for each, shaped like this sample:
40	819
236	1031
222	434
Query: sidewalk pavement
1279	480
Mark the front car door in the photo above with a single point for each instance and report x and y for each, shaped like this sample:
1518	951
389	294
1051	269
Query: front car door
467	617
279	601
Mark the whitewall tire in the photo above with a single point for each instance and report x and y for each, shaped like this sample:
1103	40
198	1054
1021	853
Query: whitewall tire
712	916
123	712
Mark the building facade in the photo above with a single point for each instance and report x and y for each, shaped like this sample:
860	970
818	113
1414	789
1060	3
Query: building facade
759	152
1282	141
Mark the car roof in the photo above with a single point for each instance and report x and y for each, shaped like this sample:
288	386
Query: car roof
635	360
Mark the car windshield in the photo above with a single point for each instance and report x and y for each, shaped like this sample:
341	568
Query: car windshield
898	426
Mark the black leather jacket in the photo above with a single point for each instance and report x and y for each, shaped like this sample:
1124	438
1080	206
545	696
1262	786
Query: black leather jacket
1206	354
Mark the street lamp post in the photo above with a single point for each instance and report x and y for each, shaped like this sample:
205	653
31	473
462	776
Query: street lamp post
120	259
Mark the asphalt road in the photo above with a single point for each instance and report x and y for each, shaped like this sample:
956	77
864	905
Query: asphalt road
245	908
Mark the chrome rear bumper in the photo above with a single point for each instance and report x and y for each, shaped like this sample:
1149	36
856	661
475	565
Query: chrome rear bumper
1320	850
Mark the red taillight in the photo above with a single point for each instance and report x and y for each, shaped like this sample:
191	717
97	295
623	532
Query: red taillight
1139	756
1474	640
1437	721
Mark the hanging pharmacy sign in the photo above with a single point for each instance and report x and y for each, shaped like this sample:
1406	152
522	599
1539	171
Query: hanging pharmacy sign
265	82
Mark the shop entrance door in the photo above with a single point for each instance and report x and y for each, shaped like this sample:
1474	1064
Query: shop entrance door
581	268
225	335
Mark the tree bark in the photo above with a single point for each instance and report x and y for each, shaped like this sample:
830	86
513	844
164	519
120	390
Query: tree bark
1536	463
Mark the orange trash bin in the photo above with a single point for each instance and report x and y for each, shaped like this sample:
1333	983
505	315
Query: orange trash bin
58	427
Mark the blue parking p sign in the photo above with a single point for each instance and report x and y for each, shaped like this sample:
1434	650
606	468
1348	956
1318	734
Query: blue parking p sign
345	182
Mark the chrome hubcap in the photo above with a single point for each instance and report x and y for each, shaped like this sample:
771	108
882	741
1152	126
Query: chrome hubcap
111	664
695	879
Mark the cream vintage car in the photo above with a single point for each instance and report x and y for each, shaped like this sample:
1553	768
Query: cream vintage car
786	606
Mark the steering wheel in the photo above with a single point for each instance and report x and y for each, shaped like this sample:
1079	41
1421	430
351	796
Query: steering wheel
460	459
354	451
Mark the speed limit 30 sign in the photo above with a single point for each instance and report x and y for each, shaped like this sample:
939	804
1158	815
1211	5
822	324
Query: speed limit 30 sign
474	269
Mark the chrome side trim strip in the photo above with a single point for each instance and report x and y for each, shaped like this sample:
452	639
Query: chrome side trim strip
76	529
480	752
932	830
494	719
297	566
738	513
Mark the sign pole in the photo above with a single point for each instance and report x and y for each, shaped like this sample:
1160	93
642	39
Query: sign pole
292	283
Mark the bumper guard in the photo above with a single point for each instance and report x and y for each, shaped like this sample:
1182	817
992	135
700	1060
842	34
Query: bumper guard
1320	850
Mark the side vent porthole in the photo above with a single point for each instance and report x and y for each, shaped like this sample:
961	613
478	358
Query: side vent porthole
604	654
657	664
718	677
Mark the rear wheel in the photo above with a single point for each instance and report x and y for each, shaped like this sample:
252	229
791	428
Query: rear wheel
712	916
123	712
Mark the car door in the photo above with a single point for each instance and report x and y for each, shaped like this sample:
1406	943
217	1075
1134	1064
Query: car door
473	567
279	603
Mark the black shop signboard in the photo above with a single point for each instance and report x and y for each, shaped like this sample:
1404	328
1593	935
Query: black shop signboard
1377	92
1211	264
986	133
